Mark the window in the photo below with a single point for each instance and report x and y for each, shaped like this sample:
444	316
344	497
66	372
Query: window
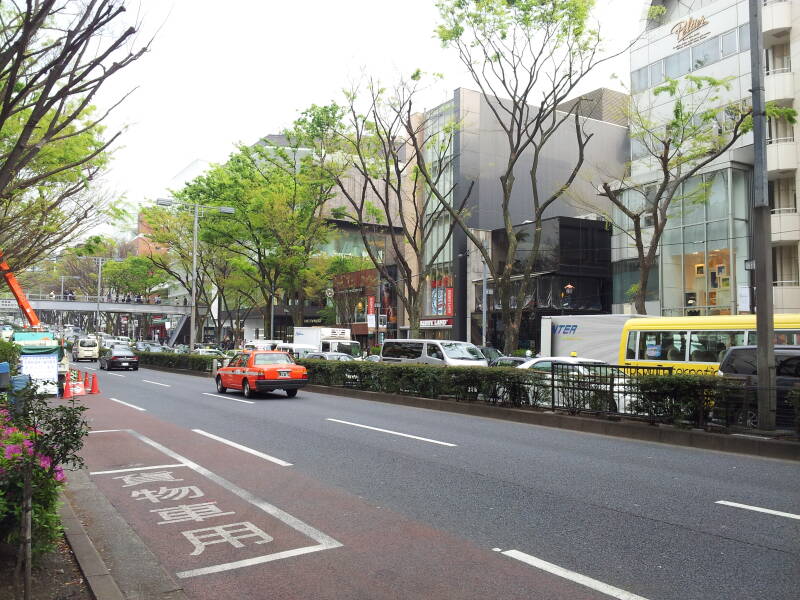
402	349
744	37
662	345
275	359
705	54
88	344
787	366
434	351
782	337
709	346
543	365
461	351
656	72
631	350
677	64
639	80
742	362
728	42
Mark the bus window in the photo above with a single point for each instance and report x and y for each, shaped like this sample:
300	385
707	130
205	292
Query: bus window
631	350
709	346
782	337
662	345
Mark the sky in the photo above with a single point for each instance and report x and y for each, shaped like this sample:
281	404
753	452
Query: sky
222	73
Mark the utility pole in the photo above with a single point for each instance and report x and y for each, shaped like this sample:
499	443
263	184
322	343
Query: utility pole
192	316
483	299
762	233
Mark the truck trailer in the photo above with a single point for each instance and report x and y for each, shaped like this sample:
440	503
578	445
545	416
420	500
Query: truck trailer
589	336
328	339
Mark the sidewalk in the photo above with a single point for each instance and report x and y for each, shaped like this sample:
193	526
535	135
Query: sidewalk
115	562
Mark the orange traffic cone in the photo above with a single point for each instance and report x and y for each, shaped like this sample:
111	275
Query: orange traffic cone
95	385
86	380
67	388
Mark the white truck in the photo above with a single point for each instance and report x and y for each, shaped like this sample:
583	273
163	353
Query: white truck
589	336
327	339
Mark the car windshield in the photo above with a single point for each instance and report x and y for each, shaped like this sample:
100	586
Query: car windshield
349	348
272	359
88	344
121	352
461	351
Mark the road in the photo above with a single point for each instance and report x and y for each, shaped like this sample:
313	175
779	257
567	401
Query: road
403	502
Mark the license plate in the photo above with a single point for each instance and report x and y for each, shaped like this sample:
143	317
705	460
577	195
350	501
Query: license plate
283	373
124	364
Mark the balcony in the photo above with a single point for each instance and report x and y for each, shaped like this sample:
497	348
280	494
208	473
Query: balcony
779	86
785	225
776	20
781	155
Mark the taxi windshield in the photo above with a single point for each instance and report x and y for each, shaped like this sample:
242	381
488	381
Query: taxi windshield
272	359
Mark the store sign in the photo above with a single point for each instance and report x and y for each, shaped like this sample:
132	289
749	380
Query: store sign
435	323
688	32
370	305
449	302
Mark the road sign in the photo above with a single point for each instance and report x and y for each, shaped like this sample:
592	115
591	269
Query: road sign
329	293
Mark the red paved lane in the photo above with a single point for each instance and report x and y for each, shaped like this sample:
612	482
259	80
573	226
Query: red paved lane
229	524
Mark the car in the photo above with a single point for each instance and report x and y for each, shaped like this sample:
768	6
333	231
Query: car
85	348
508	361
432	352
490	353
373	358
329	356
262	371
739	405
119	357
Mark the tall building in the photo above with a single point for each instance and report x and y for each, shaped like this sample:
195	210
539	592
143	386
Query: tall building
701	268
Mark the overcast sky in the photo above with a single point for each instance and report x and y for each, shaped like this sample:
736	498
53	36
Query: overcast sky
219	73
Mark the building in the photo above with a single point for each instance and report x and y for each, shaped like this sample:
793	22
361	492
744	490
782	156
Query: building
479	153
703	252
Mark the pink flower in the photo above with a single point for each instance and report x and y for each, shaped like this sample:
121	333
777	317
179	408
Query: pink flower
45	461
59	474
12	450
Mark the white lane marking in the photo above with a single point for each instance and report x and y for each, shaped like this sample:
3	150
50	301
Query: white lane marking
608	590
130	405
768	511
104	430
116	374
134	469
156	383
407	435
324	541
228	398
277	461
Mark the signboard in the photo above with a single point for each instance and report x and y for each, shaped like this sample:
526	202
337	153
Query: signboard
370	305
371	320
6	303
42	369
435	323
449	301
689	32
437	300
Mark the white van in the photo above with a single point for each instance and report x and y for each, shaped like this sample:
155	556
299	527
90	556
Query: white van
297	350
85	349
433	352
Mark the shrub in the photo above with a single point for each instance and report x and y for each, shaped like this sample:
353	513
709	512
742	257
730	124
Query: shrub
9	352
189	362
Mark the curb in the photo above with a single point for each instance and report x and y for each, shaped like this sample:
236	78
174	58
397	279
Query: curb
752	445
101	583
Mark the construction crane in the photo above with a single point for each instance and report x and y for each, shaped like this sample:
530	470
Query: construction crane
19	295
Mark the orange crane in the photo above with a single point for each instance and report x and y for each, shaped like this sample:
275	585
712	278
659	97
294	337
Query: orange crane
19	295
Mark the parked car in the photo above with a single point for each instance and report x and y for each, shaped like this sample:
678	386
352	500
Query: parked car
508	361
432	352
262	371
373	358
119	357
738	366
86	349
329	356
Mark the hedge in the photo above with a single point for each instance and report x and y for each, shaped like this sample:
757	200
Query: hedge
684	400
172	360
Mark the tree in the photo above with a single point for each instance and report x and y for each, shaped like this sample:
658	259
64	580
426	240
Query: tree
134	275
55	55
527	58
674	148
400	221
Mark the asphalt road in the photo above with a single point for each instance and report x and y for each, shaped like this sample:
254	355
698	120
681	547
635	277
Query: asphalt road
639	518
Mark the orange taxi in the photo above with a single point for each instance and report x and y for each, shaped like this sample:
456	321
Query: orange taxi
262	371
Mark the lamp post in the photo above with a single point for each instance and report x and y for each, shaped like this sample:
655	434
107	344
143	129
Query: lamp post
198	211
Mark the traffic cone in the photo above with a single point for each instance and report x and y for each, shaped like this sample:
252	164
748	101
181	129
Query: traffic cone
95	385
86	380
67	388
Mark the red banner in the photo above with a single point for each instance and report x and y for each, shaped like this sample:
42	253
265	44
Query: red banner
370	305
449	302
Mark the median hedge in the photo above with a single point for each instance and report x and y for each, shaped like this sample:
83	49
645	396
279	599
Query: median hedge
189	362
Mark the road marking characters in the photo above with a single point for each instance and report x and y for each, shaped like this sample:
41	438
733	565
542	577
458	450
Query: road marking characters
594	584
406	435
228	398
129	405
768	511
156	383
277	461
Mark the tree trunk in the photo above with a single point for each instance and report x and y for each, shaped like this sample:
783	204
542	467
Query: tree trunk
641	294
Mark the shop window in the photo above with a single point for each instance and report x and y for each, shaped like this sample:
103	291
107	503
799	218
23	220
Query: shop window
662	345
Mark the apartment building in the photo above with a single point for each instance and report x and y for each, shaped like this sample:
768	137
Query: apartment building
702	262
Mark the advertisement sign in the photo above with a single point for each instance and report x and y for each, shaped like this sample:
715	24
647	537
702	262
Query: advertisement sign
435	323
371	320
437	300
370	305
449	302
43	371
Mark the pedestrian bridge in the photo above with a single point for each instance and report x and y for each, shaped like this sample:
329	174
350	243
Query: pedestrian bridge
90	304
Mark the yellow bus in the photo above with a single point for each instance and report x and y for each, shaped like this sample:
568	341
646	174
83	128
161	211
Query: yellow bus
695	344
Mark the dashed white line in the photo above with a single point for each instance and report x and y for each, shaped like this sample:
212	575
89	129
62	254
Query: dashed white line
116	374
129	405
105	430
277	461
136	469
156	383
594	584
406	435
228	398
768	511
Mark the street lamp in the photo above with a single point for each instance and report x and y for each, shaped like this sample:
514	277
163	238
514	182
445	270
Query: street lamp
198	211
